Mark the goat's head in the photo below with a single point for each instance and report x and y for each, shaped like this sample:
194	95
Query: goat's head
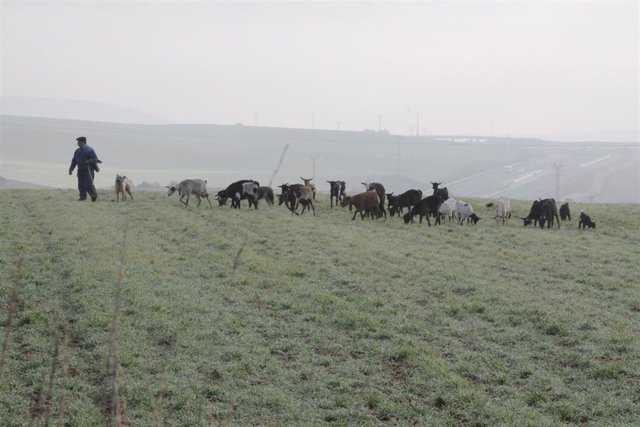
172	189
222	197
407	217
120	179
284	187
435	184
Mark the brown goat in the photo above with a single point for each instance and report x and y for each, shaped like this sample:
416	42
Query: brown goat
123	184
381	195
364	203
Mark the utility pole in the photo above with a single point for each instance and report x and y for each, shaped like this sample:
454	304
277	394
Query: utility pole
314	157
557	167
417	113
398	162
379	122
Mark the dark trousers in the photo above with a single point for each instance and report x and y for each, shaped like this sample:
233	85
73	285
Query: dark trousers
85	185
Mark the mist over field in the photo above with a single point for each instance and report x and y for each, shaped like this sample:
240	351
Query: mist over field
39	150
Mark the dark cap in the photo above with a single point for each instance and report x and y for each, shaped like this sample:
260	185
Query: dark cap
81	138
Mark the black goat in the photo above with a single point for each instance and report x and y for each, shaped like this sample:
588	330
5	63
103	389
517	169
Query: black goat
266	193
408	199
542	211
585	221
239	190
425	207
337	191
442	192
565	213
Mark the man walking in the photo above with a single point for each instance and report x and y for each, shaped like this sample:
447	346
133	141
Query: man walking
86	159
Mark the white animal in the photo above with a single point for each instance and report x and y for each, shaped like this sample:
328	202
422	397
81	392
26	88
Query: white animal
448	209
186	188
464	212
503	210
250	191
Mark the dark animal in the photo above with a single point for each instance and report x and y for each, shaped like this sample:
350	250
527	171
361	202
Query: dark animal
233	192
408	199
534	213
297	194
425	207
283	197
549	213
266	193
546	212
442	192
542	211
565	213
364	203
337	191
381	195
585	221
301	196
239	190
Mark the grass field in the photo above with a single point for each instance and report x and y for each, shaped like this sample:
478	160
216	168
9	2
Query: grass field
150	313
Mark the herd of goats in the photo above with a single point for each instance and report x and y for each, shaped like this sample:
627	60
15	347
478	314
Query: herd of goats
370	203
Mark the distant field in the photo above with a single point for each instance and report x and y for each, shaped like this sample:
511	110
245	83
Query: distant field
199	316
484	167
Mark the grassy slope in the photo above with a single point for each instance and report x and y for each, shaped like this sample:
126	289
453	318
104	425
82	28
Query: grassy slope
323	320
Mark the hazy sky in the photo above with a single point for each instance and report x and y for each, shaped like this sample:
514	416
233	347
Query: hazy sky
480	67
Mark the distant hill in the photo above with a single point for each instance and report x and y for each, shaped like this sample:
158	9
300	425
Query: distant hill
39	150
75	110
6	184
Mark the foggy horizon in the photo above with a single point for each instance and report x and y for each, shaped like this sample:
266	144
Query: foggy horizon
523	69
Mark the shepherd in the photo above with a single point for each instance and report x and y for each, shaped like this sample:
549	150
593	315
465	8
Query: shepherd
86	159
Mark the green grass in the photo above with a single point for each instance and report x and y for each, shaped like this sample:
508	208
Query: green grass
322	320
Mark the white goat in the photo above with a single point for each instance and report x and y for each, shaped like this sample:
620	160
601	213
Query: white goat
448	209
186	188
464	212
503	210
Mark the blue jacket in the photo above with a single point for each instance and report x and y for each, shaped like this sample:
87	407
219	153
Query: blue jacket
82	155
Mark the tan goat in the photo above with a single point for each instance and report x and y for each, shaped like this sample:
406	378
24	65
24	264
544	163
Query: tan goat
311	185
